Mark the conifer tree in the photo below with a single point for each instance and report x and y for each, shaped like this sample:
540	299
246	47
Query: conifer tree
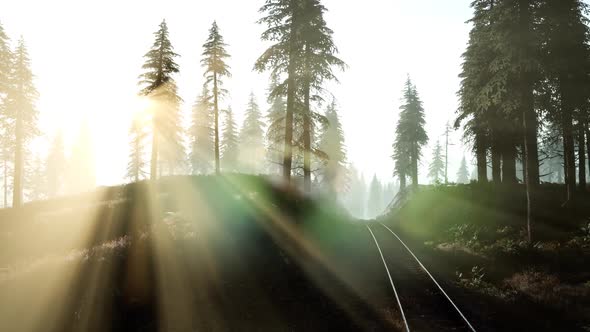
284	20
566	61
319	56
436	170
355	197
463	172
5	63
56	165
275	131
335	173
251	139
201	134
476	108
410	135
6	138
21	113
229	143
375	203
214	62
158	84
136	167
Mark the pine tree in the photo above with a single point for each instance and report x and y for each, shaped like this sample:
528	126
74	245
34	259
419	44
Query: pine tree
251	139
56	165
478	104
159	85
318	59
201	135
436	171
463	172
137	164
275	131
5	63
284	20
229	143
214	62
355	198
375	204
566	61
82	169
22	116
335	173
410	135
6	138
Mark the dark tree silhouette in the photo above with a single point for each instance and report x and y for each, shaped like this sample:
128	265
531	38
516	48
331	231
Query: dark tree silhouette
410	135
284	20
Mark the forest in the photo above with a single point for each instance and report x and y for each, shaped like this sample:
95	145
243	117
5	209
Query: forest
260	219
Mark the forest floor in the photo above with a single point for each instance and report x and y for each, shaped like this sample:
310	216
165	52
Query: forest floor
476	235
239	253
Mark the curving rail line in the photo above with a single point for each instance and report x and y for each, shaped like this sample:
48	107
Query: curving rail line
416	282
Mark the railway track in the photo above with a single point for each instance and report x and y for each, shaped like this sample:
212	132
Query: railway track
422	302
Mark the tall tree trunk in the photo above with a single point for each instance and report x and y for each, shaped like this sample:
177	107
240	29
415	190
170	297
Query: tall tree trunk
216	111
529	117
582	157
5	162
307	141
415	165
306	125
587	131
509	163
137	161
155	149
496	159
402	182
568	154
17	190
531	143
291	72
481	156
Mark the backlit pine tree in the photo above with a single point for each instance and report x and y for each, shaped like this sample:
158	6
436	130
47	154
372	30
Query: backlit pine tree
136	167
436	170
251	139
159	86
201	135
229	143
334	175
463	172
21	116
214	62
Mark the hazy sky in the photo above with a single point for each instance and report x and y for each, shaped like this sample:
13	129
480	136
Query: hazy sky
87	55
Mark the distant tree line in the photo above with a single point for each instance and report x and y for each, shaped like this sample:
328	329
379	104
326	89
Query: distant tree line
25	175
294	136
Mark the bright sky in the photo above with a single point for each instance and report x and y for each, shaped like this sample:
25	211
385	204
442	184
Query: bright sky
87	55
